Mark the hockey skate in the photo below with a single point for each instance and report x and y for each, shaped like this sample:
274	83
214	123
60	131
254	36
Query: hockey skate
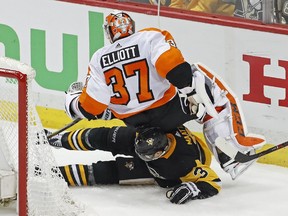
234	168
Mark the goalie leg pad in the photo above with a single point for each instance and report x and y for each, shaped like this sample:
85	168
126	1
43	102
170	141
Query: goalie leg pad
229	126
223	127
230	123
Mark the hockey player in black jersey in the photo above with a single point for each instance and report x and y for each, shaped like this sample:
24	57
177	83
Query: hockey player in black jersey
153	157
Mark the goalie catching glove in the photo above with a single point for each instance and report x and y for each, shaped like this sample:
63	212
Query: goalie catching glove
183	192
197	97
73	107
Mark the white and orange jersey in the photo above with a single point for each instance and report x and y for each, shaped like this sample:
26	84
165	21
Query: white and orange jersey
129	76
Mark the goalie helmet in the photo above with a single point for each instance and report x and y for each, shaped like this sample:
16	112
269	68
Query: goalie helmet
151	143
118	25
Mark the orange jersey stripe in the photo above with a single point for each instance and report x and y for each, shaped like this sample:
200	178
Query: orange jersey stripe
168	60
94	107
90	105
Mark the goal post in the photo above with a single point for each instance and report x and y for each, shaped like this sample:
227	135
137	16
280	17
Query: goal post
40	187
22	132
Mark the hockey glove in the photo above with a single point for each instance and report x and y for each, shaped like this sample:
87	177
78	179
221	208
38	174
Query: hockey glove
71	100
183	192
73	108
191	107
54	141
197	97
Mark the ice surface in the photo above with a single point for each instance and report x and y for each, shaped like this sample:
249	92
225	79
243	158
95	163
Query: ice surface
261	191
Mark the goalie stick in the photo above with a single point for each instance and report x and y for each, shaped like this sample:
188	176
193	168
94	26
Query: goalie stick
241	157
64	128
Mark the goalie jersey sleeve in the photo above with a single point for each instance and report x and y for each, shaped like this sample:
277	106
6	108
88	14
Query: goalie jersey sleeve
129	76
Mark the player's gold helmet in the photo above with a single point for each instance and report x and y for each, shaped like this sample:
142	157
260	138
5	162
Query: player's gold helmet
118	25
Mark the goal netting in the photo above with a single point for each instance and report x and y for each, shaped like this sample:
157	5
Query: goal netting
26	159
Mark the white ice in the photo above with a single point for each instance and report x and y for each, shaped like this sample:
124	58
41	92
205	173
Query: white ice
261	191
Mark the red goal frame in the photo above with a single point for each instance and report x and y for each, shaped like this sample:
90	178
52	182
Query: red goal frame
22	136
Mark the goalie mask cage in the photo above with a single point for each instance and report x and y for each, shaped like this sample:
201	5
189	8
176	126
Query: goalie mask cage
42	189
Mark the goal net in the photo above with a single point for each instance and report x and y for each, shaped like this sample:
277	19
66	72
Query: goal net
28	169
